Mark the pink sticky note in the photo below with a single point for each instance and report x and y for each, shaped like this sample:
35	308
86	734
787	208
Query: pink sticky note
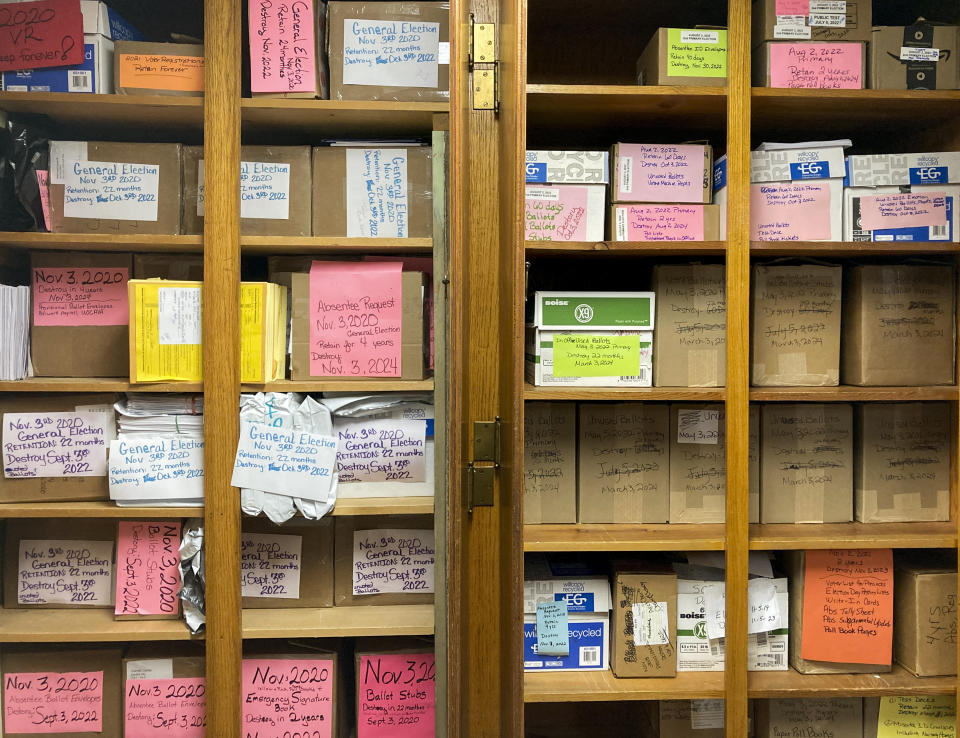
659	223
355	319
284	697
80	296
148	568
417	264
42	176
53	702
557	213
659	173
790	211
905	210
395	696
837	66
282	50
155	708
793	7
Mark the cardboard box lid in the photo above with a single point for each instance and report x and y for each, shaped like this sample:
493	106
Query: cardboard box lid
594	310
935	167
553	167
582	594
787	165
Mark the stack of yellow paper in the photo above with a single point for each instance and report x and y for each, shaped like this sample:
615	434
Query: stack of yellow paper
263	331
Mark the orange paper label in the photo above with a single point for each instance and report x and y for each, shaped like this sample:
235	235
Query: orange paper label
158	72
848	606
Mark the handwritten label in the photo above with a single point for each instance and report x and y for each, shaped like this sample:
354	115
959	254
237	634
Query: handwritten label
155	708
651	624
377	193
282	46
148	568
65	572
696	53
553	629
920	717
763	612
180	316
53	702
659	223
396	696
793	7
380	450
817	66
790	211
698	426
393	561
715	606
286	697
816	716
659	173
270	565
706	714
41	34
390	53
264	190
906	210
156	469
556	213
848	606
161	72
54	444
111	190
597	355
92	296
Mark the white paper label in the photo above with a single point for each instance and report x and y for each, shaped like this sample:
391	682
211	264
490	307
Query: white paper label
542	193
270	565
443	52
706	714
390	53
62	155
909	53
791	32
700	37
399	561
763	611
180	315
156	469
715	615
109	418
621	224
79	80
626	173
264	190
65	572
150	669
791	20
828	6
828	20
111	190
377	193
380	450
698	426
54	445
651	624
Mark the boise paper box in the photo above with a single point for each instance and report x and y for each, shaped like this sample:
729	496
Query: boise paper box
814	716
649	173
98	187
924	622
564	212
643	641
894	314
684	56
549	462
389	51
568	167
923	56
901	213
94	74
145	68
820	21
902	469
665	222
827	65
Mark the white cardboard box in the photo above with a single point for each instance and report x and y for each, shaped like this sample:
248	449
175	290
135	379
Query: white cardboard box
539	360
937	167
588	610
852	231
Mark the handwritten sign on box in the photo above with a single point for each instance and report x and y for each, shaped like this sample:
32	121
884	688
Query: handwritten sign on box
111	190
906	210
380	450
270	565
148	568
393	561
790	211
54	444
553	629
156	469
596	355
396	695
284	697
390	53
65	572
910	716
556	213
660	173
155	708
63	296
837	66
53	702
282	46
41	34
659	223
377	193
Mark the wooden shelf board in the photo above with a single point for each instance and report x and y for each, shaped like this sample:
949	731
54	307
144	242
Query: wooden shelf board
330	622
645	394
343	385
102	242
99	509
262	116
322	244
779	537
603	686
94	384
623	537
625	248
383	506
84	626
849	393
766	684
851	248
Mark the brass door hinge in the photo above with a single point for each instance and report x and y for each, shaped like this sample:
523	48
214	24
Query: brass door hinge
485	66
481	470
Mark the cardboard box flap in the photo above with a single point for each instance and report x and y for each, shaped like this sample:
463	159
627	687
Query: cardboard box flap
588	594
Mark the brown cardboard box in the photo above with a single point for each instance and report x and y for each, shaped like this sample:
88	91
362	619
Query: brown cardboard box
841	78
690	342
343	558
814	716
318	10
298	221
653	66
871	716
166	156
624	463
402	12
795	323
637	584
858	22
549	462
180	267
924	614
888	71
382	695
147	68
412	364
64	659
696	719
807	463
894	315
52	489
698	471
902	469
78	350
316	562
331	179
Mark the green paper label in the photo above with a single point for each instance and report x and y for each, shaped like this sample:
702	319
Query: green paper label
596	356
696	53
596	312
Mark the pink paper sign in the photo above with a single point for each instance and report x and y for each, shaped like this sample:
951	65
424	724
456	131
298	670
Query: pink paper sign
155	708
659	222
80	296
42	177
416	264
148	568
52	702
355	319
284	697
906	210
793	7
836	66
395	696
656	173
281	46
556	213
790	211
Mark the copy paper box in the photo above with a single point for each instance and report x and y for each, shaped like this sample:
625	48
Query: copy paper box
147	68
923	56
901	213
902	469
88	336
893	315
698	466
690	343
643	641
785	165
924	629
635	222
363	40
355	193
101	187
273	29
813	65
78	661
595	311
568	167
549	462
564	212
589	358
821	21
648	173
623	462
684	56
267	554
815	716
166	330
181	267
796	326
929	168
94	74
695	651
806	463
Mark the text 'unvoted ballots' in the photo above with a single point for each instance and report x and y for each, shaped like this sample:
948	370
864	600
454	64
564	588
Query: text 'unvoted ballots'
286	697
148	568
270	565
65	572
53	702
155	708
54	444
111	190
393	561
156	469
381	450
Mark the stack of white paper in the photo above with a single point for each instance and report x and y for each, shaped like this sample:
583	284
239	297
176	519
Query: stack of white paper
160	415
14	332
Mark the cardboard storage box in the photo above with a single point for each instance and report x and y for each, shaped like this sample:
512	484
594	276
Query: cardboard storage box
795	325
924	615
646	173
314	564
846	21
179	267
892	316
807	463
564	212
623	458
838	65
147	68
110	187
634	222
94	74
684	56
80	301
902	469
355	196
696	719
813	716
933	167
698	464
568	167
273	71
643	640
923	56
549	462
275	190
361	34
908	212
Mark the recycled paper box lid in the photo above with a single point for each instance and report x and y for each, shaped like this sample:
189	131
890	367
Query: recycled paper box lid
558	167
593	310
582	594
935	167
785	165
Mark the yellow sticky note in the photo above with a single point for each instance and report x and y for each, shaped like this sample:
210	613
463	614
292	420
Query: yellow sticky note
596	355
696	53
166	322
921	716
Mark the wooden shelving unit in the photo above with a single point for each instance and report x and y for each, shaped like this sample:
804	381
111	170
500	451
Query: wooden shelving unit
93	509
624	248
623	537
338	118
782	537
99	242
320	245
849	393
384	506
110	384
337	622
899	681
635	394
39	625
852	249
603	686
